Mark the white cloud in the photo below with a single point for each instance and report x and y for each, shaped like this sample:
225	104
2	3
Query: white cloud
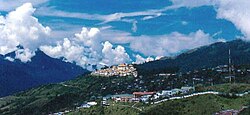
161	45
114	56
139	59
24	55
170	44
8	5
91	46
191	3
119	16
158	57
9	59
88	37
235	11
19	27
151	17
184	23
86	49
71	51
134	26
116	36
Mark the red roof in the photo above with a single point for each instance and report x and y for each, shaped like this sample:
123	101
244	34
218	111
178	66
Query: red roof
143	93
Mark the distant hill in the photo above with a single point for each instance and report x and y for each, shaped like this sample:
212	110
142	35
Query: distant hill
67	95
17	76
204	57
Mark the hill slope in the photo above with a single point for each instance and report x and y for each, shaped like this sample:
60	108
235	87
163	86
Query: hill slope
68	95
17	76
206	56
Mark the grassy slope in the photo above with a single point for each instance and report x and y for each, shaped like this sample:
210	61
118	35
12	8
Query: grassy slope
227	88
245	112
110	110
67	95
205	104
58	97
200	105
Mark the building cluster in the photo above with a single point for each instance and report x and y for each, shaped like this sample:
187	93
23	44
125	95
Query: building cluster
225	69
148	96
174	92
120	70
135	97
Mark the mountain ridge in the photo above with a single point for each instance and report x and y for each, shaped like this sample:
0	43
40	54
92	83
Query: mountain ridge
70	94
17	76
206	56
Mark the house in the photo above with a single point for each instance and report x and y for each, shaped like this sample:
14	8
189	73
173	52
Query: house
122	67
176	91
105	101
85	106
92	103
140	94
163	94
167	93
122	97
145	98
187	89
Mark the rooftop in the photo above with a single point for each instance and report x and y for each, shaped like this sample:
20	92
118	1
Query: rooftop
143	93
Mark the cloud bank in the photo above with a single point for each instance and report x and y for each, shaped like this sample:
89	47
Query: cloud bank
140	59
86	50
170	44
19	27
235	11
92	47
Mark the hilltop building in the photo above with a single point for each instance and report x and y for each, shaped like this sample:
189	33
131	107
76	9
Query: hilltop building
120	70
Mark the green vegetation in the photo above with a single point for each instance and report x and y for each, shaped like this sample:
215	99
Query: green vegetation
116	109
205	57
226	88
68	95
245	112
198	105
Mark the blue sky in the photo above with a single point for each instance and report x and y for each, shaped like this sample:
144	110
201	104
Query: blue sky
183	20
144	29
196	18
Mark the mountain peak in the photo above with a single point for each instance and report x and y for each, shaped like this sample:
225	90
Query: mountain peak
41	70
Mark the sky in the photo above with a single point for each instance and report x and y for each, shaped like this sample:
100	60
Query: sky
94	33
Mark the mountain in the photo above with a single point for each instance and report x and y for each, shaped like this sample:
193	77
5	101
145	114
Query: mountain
17	76
70	94
204	57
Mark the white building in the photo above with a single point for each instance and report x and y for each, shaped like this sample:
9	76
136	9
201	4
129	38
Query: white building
120	70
